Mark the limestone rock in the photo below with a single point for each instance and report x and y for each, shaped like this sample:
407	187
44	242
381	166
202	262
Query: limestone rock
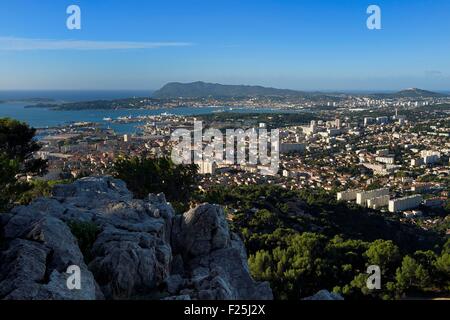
34	264
215	259
200	230
129	263
139	248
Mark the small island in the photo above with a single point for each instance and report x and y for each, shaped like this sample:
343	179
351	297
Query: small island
130	103
28	100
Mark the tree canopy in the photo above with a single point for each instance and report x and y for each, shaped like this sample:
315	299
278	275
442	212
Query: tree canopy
17	148
17	143
147	175
305	241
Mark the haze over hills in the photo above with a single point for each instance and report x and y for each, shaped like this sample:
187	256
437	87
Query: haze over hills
201	89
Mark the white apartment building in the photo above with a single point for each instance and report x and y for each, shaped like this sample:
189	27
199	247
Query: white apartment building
382	152
267	171
348	195
378	202
416	162
421	187
387	160
406	203
380	169
427	153
382	120
363	196
430	156
207	167
368	121
333	132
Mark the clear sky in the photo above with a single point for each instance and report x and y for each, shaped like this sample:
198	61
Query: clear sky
298	44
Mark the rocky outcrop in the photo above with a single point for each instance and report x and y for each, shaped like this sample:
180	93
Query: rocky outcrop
141	248
215	261
38	252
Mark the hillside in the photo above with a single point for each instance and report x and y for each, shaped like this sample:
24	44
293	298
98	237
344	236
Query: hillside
410	93
415	93
304	240
203	90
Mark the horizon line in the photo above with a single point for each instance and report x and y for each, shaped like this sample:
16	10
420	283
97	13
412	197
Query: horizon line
12	43
299	90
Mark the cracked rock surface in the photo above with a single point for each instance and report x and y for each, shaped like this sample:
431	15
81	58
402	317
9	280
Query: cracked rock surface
141	249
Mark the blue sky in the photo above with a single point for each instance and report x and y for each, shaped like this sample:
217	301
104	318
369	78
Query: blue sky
298	44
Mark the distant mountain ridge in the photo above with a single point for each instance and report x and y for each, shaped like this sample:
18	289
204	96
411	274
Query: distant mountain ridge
411	93
415	92
201	89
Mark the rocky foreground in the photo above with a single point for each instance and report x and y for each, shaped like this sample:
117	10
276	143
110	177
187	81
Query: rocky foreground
142	249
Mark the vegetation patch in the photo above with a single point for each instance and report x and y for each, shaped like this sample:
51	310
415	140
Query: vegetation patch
305	241
86	232
146	175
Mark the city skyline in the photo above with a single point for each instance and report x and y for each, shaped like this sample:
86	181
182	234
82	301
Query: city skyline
301	45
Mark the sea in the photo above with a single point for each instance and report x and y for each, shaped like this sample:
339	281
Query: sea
47	118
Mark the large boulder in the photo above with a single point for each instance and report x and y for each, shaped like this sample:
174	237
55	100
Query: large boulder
200	231
35	262
129	264
215	261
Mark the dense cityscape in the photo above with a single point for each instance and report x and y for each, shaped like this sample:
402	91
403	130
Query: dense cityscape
396	148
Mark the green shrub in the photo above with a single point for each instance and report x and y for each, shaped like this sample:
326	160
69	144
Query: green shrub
146	175
86	233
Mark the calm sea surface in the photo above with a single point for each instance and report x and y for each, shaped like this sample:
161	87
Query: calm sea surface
43	118
74	95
